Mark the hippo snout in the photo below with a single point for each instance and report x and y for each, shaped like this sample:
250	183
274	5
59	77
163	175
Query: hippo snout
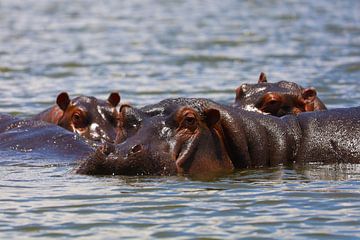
104	161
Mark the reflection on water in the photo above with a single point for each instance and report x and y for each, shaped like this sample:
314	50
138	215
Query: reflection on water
316	171
282	202
154	49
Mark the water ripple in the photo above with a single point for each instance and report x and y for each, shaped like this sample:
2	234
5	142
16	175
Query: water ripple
154	49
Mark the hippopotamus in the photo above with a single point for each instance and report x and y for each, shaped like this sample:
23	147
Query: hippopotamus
193	136
164	144
277	99
39	140
87	116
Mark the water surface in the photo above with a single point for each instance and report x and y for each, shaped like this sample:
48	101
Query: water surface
153	49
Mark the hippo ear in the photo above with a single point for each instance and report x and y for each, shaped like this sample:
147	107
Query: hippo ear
212	117
63	100
239	93
309	97
114	99
309	94
271	103
262	78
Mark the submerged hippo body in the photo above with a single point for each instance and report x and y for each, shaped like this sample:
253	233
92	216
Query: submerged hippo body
89	117
40	140
331	136
278	99
198	135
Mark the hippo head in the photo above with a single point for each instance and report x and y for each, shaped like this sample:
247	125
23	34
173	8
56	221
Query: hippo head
180	140
278	98
89	117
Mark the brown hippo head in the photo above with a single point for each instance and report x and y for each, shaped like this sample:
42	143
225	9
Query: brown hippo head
90	117
278	98
179	140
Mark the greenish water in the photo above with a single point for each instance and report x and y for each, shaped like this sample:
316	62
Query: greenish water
150	50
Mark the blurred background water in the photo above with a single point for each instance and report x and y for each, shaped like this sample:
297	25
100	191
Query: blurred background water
153	49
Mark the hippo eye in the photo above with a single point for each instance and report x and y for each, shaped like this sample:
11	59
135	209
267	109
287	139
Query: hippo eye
272	102
189	122
76	117
78	120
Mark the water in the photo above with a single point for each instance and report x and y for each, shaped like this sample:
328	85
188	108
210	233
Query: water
150	50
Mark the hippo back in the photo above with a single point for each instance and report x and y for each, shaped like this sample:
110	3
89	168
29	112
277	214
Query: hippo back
330	137
40	140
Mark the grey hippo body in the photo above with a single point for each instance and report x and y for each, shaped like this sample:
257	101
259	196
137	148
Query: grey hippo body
328	136
187	135
41	140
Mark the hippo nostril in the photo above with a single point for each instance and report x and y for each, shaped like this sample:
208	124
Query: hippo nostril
136	148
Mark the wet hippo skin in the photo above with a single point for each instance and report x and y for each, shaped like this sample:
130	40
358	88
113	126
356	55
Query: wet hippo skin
198	135
329	136
278	99
41	139
182	141
87	116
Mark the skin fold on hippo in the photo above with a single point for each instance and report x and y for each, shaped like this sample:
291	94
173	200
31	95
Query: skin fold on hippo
278	99
193	136
41	140
89	117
